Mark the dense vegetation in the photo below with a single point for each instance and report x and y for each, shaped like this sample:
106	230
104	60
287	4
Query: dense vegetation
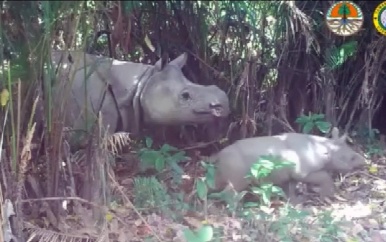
282	68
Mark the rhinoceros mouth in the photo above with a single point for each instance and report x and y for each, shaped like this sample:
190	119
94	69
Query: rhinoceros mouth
216	112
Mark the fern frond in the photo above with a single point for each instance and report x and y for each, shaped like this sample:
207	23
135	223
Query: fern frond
117	141
149	193
336	56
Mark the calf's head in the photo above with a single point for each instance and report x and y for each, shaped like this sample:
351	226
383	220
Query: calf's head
343	158
169	98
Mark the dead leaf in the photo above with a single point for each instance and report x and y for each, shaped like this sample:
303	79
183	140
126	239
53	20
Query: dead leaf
148	43
193	222
109	216
4	97
373	169
143	230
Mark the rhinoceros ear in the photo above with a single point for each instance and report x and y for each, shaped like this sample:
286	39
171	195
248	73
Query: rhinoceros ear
180	61
335	133
343	138
158	65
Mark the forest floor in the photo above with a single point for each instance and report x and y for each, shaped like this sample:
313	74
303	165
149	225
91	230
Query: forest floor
356	213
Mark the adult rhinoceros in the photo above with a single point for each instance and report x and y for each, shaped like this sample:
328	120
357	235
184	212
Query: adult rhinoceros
129	94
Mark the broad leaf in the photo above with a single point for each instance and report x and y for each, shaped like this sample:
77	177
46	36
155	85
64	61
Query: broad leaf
308	127
323	126
202	189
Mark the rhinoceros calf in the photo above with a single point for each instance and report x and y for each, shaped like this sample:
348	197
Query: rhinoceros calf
130	94
313	157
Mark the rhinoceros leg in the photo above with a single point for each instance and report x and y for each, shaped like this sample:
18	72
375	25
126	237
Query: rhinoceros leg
289	188
324	181
236	180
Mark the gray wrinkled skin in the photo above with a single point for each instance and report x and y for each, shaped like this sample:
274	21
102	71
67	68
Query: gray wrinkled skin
313	157
143	94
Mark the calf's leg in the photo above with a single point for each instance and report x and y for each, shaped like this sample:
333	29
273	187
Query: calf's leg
289	188
323	180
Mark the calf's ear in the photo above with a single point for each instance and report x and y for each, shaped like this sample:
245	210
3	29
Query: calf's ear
158	65
343	138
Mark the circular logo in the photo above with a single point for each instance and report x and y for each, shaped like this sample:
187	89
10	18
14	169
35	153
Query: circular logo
344	18
379	18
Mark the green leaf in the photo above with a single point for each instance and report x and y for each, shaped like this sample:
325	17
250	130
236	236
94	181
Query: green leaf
266	197
266	186
202	189
205	233
257	190
168	148
302	119
178	157
255	170
259	170
251	205
336	56
278	190
148	156
159	163
190	236
266	162
165	148
308	127
176	168
211	170
148	142
210	176
317	116
323	126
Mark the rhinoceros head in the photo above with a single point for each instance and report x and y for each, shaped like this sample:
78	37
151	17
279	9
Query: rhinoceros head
343	157
169	98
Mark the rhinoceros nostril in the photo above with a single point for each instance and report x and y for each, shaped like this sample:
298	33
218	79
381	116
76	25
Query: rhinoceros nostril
216	108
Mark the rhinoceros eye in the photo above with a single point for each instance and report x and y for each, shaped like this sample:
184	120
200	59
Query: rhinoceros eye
185	95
